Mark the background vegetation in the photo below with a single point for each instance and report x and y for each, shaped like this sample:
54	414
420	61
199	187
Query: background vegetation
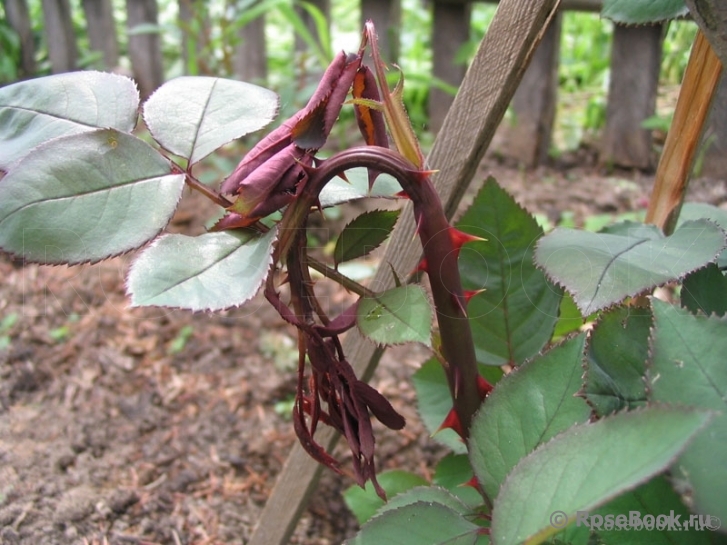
584	60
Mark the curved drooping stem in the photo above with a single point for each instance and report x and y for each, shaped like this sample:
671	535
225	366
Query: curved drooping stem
440	253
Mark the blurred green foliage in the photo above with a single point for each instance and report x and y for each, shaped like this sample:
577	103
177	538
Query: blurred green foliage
205	44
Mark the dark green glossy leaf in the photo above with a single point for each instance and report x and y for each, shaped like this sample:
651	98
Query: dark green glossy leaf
454	473
515	316
395	316
688	368
213	271
658	499
527	408
586	466
639	12
86	197
616	360
705	291
364	502
600	270
434	401
193	116
364	234
37	110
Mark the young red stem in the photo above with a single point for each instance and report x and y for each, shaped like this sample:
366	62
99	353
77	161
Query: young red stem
439	251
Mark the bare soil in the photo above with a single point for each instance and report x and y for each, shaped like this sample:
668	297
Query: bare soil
151	426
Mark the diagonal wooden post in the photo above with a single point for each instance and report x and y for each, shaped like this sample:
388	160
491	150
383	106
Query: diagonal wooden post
466	133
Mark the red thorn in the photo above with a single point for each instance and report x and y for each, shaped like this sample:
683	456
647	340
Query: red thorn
402	195
483	386
458	303
422	175
422	267
469	294
460	238
452	421
473	482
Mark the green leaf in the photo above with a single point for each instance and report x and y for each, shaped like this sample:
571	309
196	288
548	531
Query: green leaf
364	234
431	494
193	116
527	408
398	315
434	401
656	498
213	271
86	197
705	291
699	210
616	360
339	191
639	12
515	316
454	472
569	318
38	110
586	466
419	523
364	502
600	270
688	367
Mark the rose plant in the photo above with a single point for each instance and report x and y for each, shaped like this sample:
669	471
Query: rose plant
546	420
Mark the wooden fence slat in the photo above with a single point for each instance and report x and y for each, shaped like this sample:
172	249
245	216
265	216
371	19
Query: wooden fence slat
451	24
62	49
476	112
101	30
144	49
17	13
528	139
635	65
386	16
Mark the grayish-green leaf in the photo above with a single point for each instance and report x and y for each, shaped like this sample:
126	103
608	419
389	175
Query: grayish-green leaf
699	210
86	197
600	270
527	408
616	360
419	523
213	271
339	191
639	12
688	367
193	116
514	317
395	316
434	494
37	110
587	466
